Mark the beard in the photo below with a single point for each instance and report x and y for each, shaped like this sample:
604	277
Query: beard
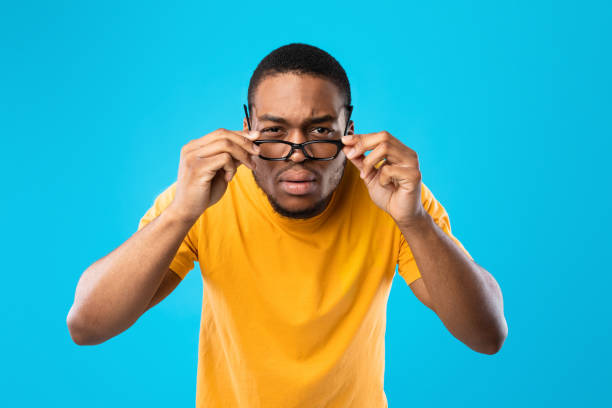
317	208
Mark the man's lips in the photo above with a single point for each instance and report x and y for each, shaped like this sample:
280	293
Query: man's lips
298	187
298	176
298	182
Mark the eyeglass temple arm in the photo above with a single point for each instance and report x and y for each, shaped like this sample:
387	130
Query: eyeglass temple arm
246	112
350	110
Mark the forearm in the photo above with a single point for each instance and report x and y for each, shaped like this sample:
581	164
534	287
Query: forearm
465	296
114	291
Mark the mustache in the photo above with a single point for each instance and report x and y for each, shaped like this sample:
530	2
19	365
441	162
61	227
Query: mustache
298	166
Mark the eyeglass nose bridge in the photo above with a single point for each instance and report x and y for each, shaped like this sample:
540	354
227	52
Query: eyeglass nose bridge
295	147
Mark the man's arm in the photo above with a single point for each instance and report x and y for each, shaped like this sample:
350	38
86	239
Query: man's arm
118	288
420	291
464	295
170	282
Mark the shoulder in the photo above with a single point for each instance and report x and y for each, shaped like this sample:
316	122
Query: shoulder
165	197
161	201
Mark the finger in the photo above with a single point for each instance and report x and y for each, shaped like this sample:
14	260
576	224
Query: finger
238	139
366	174
386	175
248	134
243	156
238	136
236	163
241	138
382	151
253	134
220	161
232	173
367	141
358	161
404	176
348	139
229	168
226	145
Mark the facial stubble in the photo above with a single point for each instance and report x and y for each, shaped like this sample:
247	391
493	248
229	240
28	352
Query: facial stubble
317	208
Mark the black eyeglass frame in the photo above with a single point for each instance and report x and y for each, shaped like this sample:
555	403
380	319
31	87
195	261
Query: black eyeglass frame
301	146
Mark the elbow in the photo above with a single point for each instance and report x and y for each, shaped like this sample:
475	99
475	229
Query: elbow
494	341
80	331
492	347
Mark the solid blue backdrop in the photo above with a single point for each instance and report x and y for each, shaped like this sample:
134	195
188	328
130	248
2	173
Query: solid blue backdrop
507	105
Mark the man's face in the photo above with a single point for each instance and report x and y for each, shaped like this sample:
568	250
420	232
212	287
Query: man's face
286	107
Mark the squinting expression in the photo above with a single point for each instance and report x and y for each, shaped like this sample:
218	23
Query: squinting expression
298	108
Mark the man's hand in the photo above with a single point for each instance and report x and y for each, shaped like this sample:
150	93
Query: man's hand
206	167
395	184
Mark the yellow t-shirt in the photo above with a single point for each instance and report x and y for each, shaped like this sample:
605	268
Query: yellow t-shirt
294	311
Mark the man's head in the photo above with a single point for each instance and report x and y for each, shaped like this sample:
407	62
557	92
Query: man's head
298	93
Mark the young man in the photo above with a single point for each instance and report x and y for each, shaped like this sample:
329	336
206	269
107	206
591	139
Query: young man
297	254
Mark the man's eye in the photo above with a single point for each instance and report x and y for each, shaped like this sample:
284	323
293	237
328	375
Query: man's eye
322	130
271	130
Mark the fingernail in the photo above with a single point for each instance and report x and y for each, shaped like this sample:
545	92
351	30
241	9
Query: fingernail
347	138
350	153
252	134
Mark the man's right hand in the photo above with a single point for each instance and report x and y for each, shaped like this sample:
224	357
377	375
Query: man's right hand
207	165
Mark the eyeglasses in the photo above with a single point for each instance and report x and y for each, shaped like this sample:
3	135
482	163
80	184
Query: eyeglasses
324	149
313	149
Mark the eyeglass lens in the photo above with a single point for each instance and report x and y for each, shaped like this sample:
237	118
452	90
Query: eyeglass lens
319	150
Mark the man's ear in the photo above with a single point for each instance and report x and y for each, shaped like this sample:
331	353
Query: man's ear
351	128
245	124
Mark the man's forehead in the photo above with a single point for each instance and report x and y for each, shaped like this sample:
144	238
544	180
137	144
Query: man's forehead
314	118
293	96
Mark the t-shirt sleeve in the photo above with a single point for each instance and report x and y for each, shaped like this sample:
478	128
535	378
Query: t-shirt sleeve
187	253
407	266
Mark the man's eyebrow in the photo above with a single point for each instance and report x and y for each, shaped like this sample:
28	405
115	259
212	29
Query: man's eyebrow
309	121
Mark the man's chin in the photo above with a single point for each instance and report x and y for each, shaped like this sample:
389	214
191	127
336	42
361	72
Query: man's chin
299	211
295	206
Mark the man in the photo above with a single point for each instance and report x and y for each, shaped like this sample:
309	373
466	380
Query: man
297	253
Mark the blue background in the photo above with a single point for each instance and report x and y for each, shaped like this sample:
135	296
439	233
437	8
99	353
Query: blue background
508	106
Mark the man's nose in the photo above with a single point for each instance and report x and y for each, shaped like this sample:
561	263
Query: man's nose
297	137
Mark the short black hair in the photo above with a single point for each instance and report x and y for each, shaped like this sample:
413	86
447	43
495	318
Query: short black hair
302	59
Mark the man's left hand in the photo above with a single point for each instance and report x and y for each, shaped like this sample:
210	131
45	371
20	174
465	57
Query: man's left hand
395	184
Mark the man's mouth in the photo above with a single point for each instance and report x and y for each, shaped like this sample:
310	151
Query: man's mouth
301	187
298	182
